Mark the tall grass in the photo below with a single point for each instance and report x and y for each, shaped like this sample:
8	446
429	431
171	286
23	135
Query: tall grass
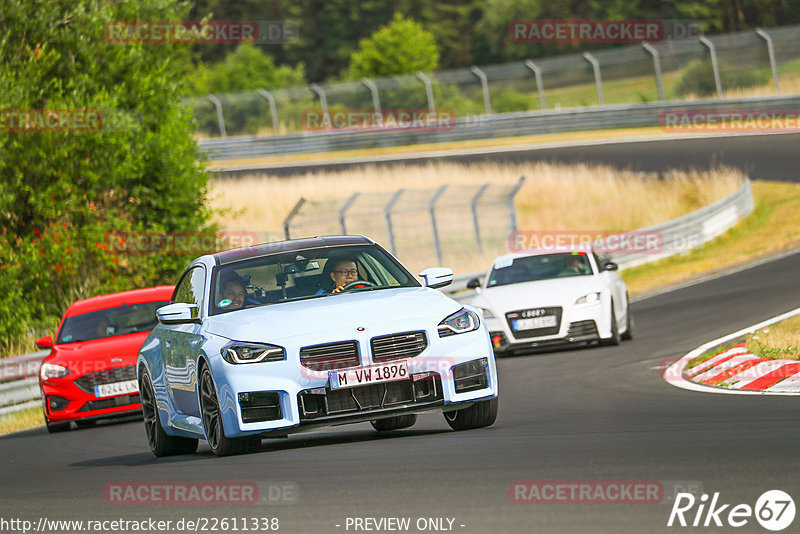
554	197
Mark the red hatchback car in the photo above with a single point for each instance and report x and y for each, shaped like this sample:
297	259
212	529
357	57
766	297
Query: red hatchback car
90	373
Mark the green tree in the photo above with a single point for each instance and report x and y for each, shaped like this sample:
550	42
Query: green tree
63	194
401	47
247	68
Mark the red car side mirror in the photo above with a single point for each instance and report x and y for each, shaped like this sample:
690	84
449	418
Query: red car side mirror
45	342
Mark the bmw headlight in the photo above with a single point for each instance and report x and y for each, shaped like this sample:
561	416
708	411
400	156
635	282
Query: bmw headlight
458	323
588	299
51	370
238	352
486	312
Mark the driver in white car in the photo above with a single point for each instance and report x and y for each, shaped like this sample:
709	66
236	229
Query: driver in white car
343	272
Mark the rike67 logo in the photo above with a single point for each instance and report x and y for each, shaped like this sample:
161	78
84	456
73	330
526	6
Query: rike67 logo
774	510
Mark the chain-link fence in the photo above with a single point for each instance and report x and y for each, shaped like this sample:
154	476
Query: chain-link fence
442	225
724	65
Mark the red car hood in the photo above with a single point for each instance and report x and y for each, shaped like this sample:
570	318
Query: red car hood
98	354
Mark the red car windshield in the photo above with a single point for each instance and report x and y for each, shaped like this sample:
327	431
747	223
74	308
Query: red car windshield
125	319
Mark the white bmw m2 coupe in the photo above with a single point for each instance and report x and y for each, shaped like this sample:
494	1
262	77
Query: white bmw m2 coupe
283	337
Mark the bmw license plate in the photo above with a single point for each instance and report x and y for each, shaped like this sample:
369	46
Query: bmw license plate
546	321
386	372
116	388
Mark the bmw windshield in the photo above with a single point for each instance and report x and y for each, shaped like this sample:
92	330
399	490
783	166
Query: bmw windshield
305	274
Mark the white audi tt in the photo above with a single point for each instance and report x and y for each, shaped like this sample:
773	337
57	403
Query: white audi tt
534	300
284	337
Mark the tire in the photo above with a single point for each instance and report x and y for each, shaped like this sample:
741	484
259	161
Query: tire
53	428
615	337
86	424
161	443
479	415
220	444
394	423
629	322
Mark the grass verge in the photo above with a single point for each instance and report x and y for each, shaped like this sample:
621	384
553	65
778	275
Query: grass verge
21	420
780	341
774	226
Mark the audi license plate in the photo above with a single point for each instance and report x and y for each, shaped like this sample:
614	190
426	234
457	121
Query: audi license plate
116	388
386	372
546	321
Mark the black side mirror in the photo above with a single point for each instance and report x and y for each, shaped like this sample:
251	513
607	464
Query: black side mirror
610	266
474	284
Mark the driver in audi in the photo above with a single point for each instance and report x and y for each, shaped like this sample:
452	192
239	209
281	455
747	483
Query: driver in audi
343	272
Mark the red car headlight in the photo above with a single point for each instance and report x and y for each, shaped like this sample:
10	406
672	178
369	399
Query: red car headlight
51	370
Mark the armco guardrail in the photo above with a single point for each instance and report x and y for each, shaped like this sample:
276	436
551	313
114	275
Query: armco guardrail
677	236
19	383
483	127
684	62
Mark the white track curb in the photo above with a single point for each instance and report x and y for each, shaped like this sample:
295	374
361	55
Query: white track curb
674	373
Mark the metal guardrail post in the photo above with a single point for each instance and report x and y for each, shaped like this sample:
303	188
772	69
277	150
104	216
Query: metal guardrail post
428	92
537	74
432	207
512	212
376	99
487	102
343	211
598	80
272	108
474	205
771	52
714	65
288	220
657	68
388	215
326	118
220	119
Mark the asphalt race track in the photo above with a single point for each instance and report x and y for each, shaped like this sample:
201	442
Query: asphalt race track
763	157
597	414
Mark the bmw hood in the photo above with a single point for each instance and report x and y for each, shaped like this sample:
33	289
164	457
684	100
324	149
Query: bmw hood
337	316
556	292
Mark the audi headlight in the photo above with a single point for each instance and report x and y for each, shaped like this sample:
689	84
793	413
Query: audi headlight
588	299
458	323
51	370
238	352
486	312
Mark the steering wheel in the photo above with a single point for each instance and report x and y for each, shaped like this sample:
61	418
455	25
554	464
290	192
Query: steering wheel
358	284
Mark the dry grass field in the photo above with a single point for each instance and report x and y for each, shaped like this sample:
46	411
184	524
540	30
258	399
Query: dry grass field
554	197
